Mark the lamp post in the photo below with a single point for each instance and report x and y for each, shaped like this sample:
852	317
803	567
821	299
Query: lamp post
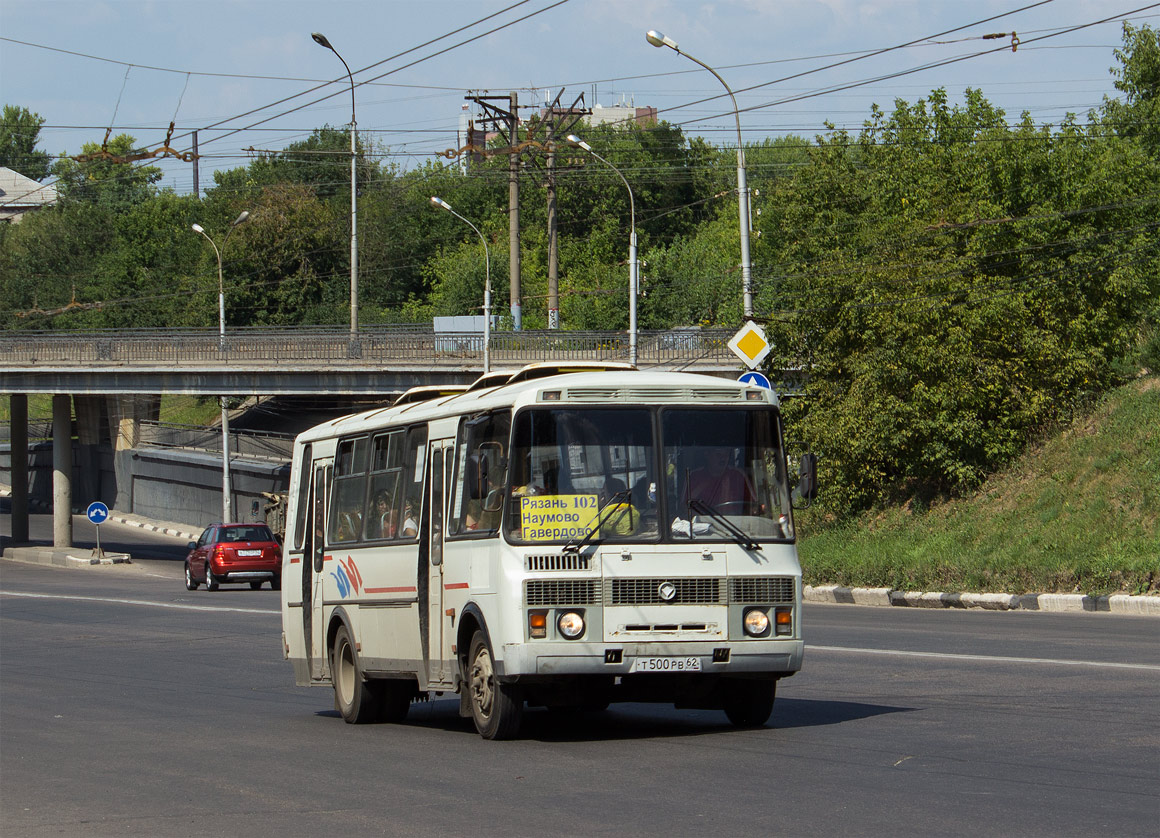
439	202
633	264
227	504
658	39
320	39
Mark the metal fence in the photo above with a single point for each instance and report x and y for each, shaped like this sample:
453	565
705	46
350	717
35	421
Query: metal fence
380	347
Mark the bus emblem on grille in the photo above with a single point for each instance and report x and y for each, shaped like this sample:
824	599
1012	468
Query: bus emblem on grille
667	591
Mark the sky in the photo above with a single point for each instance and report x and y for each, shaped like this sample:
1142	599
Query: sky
239	71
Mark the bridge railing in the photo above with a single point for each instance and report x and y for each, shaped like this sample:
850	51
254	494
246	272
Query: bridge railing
379	347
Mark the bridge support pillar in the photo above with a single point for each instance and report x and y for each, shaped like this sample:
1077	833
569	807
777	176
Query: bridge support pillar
88	468
18	457
62	470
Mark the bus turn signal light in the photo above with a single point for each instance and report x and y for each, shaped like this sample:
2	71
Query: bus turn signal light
537	623
783	619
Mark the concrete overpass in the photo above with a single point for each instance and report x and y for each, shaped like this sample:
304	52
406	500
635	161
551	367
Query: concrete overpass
102	374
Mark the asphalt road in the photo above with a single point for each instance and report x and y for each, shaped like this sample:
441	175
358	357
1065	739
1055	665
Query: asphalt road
131	707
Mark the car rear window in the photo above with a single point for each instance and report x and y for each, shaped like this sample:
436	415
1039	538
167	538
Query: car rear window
246	534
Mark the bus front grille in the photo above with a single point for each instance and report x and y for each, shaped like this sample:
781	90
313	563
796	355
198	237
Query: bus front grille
766	589
540	592
689	591
557	561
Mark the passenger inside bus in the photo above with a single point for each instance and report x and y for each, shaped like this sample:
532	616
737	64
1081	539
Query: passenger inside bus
410	526
384	521
720	485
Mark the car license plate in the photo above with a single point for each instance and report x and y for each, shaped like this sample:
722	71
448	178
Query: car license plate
248	553
688	664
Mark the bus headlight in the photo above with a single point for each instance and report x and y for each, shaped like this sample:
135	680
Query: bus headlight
570	624
756	622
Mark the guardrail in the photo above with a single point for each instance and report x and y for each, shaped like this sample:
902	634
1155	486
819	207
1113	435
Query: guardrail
377	347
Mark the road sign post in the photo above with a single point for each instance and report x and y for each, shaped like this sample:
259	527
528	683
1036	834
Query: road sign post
97	513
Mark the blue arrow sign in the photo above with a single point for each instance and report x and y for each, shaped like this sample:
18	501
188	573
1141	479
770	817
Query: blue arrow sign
97	512
755	378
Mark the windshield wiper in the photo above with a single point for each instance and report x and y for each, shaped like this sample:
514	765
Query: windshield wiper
739	535
619	497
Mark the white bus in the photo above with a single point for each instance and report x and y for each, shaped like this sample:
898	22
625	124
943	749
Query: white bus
557	536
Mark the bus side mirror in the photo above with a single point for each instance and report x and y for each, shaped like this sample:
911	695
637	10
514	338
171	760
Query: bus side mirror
808	476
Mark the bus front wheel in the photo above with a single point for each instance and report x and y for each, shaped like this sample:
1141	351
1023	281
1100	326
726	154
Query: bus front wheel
496	708
750	703
353	697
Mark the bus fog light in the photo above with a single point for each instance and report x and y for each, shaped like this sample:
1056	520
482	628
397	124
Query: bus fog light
537	623
784	620
570	624
756	622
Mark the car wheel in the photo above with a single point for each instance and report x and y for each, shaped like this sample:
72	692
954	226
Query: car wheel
255	586
496	708
750	703
211	584
190	585
353	697
276	583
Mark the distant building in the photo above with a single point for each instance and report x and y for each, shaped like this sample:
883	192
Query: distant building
19	195
622	114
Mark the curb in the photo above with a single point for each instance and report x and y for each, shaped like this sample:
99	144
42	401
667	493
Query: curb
164	530
62	558
1054	603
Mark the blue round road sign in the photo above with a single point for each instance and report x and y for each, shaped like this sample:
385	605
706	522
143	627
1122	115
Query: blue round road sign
97	512
756	378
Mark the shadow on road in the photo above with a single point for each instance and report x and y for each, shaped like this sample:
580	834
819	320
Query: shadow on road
641	721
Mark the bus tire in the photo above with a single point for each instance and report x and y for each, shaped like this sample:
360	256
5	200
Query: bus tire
750	703
496	708
354	699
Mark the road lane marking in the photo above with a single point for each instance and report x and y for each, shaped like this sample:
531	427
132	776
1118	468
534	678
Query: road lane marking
983	658
175	605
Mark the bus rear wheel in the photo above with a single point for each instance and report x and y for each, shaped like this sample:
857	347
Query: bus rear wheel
750	703
353	696
496	708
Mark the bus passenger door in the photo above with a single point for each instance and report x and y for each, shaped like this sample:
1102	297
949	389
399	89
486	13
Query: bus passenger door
315	628
440	465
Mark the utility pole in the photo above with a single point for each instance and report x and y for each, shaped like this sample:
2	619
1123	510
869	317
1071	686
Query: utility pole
559	122
507	122
196	182
514	216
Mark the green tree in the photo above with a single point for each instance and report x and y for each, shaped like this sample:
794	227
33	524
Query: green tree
1137	116
105	176
19	134
952	285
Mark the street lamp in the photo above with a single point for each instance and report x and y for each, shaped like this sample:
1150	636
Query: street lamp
227	516
658	39
439	202
320	39
633	264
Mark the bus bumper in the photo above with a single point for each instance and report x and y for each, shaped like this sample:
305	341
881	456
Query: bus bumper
775	658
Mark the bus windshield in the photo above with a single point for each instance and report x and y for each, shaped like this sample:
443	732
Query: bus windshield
647	474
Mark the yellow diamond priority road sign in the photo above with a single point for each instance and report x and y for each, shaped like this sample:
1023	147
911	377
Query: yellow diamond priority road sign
750	345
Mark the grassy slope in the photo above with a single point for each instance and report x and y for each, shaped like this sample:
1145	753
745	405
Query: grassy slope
181	409
1079	513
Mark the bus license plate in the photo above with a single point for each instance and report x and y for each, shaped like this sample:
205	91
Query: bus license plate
689	664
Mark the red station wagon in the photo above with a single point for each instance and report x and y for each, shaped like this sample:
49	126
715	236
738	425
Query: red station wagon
234	553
